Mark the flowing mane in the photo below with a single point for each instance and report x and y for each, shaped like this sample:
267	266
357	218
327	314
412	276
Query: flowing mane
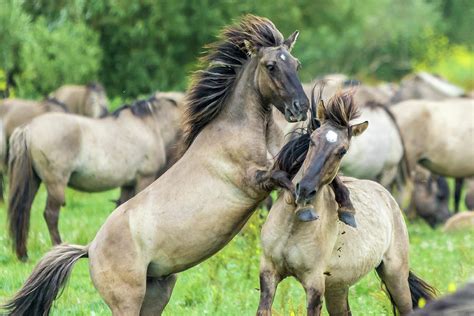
339	111
224	59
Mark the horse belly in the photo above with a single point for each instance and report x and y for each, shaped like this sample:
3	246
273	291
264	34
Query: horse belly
96	176
181	224
359	251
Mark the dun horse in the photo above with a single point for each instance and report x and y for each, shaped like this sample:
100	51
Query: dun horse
438	135
89	100
124	150
204	199
326	256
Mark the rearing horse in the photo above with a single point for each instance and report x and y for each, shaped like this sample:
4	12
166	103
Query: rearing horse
195	208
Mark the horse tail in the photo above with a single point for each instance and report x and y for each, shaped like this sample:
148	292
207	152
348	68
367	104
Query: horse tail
46	281
404	171
24	184
419	289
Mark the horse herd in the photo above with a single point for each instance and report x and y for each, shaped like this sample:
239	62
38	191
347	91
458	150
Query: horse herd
193	168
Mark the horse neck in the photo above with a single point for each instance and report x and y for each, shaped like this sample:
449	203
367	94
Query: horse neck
246	107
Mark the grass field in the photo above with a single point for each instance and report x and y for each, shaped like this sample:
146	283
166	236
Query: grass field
227	284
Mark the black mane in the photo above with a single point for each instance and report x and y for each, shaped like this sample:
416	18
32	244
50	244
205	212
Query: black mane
339	111
139	108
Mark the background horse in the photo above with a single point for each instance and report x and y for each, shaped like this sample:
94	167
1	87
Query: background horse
438	136
205	198
126	149
326	256
89	100
423	85
430	197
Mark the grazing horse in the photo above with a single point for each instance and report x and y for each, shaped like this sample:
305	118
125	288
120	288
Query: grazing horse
126	149
89	100
195	208
326	256
427	86
430	197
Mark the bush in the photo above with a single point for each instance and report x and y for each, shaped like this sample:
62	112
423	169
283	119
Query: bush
453	62
55	55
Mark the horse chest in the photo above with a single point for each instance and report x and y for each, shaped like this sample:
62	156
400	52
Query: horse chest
291	253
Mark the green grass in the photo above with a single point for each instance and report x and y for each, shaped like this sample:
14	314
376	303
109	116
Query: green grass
227	284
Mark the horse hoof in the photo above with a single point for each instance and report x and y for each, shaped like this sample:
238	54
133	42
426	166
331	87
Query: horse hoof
23	258
307	214
348	219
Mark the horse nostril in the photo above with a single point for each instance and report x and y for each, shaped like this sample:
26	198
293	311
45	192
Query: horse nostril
311	195
296	105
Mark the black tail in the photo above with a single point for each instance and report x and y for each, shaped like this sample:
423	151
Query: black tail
45	282
404	165
24	184
420	289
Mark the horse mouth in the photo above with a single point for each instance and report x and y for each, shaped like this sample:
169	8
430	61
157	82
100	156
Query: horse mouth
293	117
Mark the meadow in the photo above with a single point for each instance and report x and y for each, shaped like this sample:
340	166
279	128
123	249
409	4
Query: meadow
226	284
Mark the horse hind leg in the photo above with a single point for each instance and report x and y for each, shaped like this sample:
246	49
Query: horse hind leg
117	267
55	199
157	295
395	278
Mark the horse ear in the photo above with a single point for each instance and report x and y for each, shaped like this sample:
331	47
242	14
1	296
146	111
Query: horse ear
290	41
358	129
321	111
251	49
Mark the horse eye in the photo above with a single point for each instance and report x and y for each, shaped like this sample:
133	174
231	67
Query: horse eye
270	66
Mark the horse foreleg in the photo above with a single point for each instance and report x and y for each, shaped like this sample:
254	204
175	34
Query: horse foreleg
314	297
337	301
346	210
51	215
126	193
157	295
269	279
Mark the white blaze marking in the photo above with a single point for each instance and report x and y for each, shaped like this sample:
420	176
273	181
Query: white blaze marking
283	57
331	136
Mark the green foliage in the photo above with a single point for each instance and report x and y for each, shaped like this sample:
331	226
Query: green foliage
14	25
453	62
458	15
153	45
55	55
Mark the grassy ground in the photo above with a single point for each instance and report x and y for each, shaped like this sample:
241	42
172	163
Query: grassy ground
227	284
